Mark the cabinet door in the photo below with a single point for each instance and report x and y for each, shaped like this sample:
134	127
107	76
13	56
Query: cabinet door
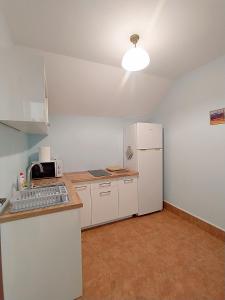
46	250
128	198
104	205
22	86
84	193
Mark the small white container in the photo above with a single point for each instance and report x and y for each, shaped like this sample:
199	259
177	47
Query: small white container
44	154
21	181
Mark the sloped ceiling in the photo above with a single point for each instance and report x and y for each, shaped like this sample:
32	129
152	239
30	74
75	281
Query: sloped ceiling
180	35
85	88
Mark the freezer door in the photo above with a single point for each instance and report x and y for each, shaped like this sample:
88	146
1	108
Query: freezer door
150	181
149	136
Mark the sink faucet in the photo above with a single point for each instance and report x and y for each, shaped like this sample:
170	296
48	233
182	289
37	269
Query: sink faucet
29	175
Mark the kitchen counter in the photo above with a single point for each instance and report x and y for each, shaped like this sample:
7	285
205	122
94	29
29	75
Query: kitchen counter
44	245
76	177
74	202
69	179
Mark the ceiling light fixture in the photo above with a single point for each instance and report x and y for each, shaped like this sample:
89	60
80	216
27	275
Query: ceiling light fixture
135	59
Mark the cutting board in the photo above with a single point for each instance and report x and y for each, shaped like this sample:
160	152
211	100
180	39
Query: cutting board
116	169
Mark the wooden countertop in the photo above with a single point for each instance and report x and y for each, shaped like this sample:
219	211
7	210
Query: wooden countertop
76	177
74	201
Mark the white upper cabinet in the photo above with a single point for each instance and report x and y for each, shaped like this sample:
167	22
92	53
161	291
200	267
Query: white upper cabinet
149	136
23	96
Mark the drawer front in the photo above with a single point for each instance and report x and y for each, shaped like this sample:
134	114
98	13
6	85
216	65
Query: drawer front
128	180
106	184
83	187
128	196
84	192
104	205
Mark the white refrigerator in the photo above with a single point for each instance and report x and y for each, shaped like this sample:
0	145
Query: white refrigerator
143	151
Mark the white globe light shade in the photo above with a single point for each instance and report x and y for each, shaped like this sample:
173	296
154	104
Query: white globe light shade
135	59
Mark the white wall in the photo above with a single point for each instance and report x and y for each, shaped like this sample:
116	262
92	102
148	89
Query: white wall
194	150
83	142
5	37
13	157
13	144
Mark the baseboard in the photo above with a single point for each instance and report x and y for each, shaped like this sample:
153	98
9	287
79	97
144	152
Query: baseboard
215	231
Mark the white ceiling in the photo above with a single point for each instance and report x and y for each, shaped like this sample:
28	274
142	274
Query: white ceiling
180	35
85	88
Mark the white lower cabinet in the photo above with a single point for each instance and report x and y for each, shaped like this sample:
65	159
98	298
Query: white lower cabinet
104	205
128	198
108	200
84	192
41	257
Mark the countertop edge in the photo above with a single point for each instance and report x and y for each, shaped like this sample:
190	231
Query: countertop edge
38	212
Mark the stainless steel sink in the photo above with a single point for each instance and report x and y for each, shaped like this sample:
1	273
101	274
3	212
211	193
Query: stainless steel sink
39	197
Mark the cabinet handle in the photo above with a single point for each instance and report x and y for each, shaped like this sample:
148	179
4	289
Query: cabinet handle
105	193
128	180
105	184
81	188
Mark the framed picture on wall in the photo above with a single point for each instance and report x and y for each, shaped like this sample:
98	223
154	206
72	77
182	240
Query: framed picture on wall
217	116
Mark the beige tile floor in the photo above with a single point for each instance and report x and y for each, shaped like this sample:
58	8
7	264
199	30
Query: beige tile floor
154	257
